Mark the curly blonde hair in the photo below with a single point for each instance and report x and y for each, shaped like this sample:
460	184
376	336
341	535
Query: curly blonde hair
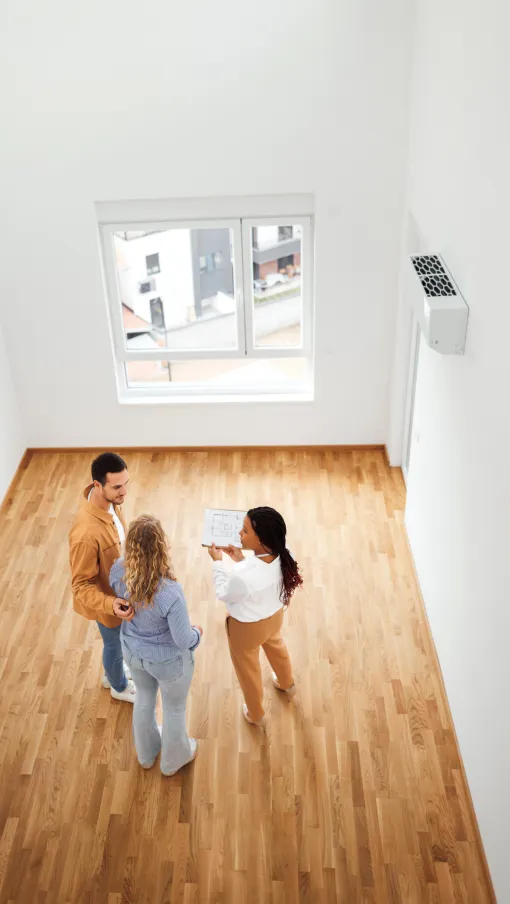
146	560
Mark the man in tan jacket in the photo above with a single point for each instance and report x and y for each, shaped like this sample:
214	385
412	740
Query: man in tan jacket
95	542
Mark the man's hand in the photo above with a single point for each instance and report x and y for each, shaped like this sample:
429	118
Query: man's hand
234	552
215	553
126	614
199	629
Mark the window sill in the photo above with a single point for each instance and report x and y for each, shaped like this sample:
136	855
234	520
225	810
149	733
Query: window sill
267	399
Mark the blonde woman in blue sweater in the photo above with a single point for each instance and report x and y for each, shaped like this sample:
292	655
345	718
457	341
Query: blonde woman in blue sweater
158	645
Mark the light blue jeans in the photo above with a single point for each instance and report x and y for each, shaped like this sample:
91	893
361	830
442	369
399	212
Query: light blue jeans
173	677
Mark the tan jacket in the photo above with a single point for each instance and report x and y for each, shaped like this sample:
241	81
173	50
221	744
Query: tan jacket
93	547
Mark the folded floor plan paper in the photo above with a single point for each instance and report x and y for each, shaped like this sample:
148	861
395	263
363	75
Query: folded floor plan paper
221	527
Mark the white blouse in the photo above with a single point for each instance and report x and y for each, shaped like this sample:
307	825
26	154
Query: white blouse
251	590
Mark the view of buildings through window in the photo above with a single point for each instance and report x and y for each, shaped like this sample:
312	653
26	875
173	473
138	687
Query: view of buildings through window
178	291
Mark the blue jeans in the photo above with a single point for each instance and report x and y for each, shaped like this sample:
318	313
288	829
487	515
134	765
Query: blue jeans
112	657
173	678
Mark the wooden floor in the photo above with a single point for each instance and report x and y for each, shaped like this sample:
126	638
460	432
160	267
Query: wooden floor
353	793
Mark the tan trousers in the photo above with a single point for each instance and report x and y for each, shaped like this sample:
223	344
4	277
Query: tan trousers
245	640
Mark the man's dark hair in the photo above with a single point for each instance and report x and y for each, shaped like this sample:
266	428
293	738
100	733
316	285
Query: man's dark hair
107	463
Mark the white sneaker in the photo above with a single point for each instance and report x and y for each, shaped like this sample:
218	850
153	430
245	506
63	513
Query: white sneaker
290	691
194	748
248	718
106	683
128	695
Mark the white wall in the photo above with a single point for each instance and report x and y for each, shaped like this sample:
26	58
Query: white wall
12	443
458	510
117	101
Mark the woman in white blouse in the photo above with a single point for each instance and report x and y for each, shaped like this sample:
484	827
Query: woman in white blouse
256	591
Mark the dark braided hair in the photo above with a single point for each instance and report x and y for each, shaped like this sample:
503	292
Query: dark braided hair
271	530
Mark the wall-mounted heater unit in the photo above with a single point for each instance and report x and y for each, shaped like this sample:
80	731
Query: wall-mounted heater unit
440	308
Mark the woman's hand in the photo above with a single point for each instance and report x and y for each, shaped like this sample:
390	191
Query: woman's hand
215	553
234	552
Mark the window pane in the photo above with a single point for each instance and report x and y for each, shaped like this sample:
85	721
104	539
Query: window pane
177	288
152	261
285	374
276	300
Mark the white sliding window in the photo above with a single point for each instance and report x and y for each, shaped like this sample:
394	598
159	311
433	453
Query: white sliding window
210	307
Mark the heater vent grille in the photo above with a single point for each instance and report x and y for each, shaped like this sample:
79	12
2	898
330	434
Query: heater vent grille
433	276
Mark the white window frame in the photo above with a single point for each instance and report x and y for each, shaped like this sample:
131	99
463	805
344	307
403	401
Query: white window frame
305	349
241	230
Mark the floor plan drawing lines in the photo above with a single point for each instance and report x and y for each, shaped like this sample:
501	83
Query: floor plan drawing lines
221	527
